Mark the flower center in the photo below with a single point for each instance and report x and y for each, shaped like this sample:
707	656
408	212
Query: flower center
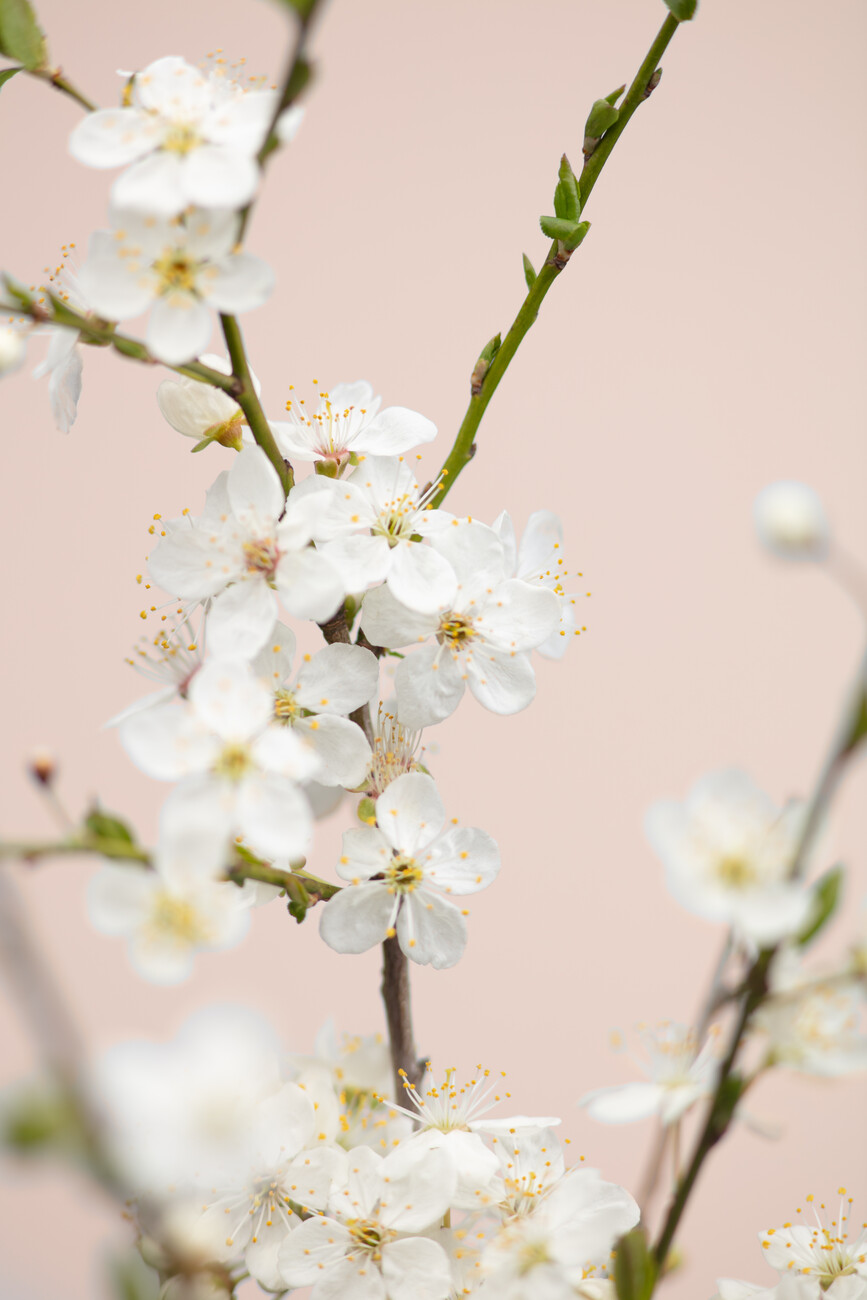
403	874
369	1236
395	751
531	1254
176	920
286	709
395	521
234	761
261	556
456	630
736	873
181	138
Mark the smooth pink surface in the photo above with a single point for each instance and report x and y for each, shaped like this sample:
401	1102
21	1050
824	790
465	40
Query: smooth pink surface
707	339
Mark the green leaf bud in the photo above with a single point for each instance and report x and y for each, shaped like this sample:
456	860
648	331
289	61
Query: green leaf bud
529	273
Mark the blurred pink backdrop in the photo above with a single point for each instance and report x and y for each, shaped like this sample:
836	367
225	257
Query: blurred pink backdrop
707	339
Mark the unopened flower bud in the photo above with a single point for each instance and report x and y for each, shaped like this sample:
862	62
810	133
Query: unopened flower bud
366	811
791	522
200	411
42	766
12	350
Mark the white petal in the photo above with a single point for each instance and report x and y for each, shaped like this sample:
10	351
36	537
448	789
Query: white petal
155	184
420	1186
339	679
519	617
255	494
274	817
282	749
64	390
238	283
273	663
230	699
241	122
475	553
191	562
505	530
396	430
359	560
385	621
357	918
429	686
211	234
217	177
167	742
110	287
430	930
501	682
421	578
366	852
622	1105
172	88
113	137
416	1269
315	1247
410	812
462	861
262	1254
341	747
119	897
309	585
241	619
192	408
179	328
543	537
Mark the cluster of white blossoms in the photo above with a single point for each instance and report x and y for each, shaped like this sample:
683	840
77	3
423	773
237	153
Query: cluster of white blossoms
302	1171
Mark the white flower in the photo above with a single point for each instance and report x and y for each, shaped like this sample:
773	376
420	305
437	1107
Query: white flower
244	552
452	1119
791	522
13	349
679	1075
290	1161
394	869
171	659
180	270
829	1252
237	773
566	1238
728	853
368	1247
539	561
348	422
395	752
813	1026
203	412
178	909
335	681
191	138
531	1164
480	638
382	496
63	361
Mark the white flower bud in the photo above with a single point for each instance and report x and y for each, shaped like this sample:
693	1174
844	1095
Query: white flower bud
12	350
791	522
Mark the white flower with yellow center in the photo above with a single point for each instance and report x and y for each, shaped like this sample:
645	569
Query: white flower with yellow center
248	550
329	684
237	772
539	561
679	1075
367	1247
176	910
728	852
453	1118
531	1163
832	1249
480	638
396	750
346	423
63	361
811	1024
191	137
396	870
181	270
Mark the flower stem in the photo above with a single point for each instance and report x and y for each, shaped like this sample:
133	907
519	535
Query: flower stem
246	397
398	1014
463	449
56	79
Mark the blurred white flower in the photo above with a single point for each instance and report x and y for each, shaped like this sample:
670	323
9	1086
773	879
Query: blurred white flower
791	522
13	349
679	1075
811	1024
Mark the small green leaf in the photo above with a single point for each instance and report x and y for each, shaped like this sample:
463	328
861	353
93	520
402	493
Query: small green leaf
602	115
826	894
491	348
570	233
299	899
567	200
6	75
303	8
615	94
857	726
107	827
634	1267
20	35
682	10
529	273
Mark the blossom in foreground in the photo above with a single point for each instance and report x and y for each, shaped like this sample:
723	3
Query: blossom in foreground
479	639
531	1163
728	853
346	423
539	561
244	552
179	270
395	869
187	137
679	1076
791	522
333	682
238	774
367	1247
565	1238
383	498
202	411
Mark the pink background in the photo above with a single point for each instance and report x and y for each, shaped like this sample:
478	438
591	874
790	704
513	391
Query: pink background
707	338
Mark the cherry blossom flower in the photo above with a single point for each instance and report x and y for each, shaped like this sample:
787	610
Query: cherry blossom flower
63	361
245	551
396	867
204	412
811	1025
539	561
396	750
346	423
368	1247
531	1164
190	137
728	853
335	681
479	639
679	1075
791	522
179	270
13	349
237	773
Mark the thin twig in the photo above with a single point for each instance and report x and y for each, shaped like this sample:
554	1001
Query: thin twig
398	1014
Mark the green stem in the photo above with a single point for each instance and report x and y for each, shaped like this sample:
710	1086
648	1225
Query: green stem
268	875
59	82
105	847
245	396
463	449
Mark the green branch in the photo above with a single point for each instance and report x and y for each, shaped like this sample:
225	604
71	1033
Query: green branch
56	79
246	397
486	385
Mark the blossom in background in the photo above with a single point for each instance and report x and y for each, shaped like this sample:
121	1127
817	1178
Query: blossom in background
811	1024
396	750
237	772
395	869
333	682
203	412
249	547
346	423
368	1246
791	522
383	497
179	270
63	362
679	1076
187	137
539	561
728	852
480	638
13	349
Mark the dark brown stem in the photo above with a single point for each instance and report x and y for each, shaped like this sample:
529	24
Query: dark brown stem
398	1014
